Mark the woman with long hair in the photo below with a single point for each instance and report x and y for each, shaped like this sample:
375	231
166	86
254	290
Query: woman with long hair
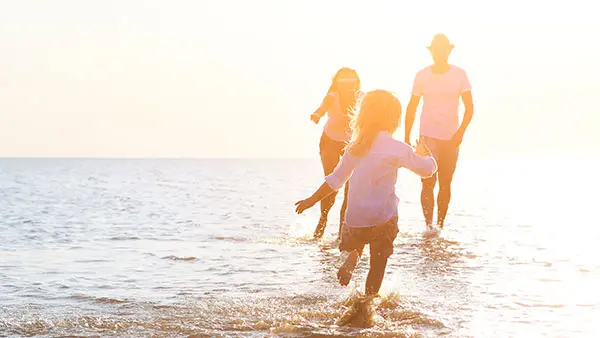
339	105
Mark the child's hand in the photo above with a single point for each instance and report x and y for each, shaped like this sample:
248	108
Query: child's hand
303	205
422	149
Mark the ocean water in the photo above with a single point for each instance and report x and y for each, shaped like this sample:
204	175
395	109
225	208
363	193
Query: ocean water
211	248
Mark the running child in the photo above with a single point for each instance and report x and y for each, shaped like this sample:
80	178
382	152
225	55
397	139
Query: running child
370	164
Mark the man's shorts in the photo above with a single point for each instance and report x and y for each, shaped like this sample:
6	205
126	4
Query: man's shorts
445	154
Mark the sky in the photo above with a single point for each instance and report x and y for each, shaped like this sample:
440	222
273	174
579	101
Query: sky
239	78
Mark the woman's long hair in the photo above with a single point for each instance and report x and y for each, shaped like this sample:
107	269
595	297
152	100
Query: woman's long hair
379	111
347	98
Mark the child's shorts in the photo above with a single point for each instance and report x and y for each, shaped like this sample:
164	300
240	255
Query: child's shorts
380	238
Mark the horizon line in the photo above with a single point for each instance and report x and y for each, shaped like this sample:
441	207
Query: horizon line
479	156
149	158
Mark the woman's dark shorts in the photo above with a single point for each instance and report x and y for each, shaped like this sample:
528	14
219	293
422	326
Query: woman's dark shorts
331	150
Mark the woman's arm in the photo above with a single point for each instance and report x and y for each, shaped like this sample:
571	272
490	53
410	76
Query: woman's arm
323	108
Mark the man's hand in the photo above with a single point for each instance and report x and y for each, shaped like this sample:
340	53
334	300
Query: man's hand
457	138
304	204
422	149
315	118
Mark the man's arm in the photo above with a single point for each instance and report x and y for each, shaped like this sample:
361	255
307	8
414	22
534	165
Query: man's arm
467	99
411	112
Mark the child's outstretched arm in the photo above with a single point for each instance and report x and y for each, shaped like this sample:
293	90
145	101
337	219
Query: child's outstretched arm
340	175
323	191
421	161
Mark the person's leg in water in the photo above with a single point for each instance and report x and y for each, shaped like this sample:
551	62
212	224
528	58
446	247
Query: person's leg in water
330	155
381	248
428	185
343	211
345	271
427	199
446	167
352	246
377	266
329	163
381	245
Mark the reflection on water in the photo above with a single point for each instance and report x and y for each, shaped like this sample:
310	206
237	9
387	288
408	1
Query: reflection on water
141	248
440	254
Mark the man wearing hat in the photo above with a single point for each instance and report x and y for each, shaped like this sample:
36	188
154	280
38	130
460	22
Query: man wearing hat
441	85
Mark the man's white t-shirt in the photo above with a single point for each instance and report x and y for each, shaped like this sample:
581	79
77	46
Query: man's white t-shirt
441	94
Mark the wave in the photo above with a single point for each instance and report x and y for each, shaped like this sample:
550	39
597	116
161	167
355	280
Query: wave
102	300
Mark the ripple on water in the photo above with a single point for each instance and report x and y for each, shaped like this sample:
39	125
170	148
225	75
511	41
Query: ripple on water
124	238
177	258
101	300
230	238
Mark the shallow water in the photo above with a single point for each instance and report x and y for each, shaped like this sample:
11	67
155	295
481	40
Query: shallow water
213	248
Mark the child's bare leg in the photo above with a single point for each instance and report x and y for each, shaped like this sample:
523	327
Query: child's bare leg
376	273
345	272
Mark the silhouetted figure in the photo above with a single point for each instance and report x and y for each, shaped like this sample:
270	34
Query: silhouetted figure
441	85
339	105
